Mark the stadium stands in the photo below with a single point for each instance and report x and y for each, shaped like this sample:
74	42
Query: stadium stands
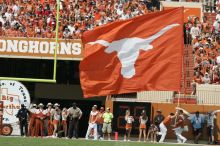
34	18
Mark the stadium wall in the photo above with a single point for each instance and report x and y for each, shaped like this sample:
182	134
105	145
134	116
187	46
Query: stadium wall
168	108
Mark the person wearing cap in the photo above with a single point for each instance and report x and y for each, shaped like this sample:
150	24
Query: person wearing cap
22	115
64	121
92	123
40	116
163	126
56	116
48	125
210	121
75	115
31	126
107	125
100	122
157	120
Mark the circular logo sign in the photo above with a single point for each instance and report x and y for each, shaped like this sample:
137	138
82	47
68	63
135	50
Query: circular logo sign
13	94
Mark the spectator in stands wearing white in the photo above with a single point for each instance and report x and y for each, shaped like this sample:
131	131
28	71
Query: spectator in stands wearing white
206	79
216	27
195	31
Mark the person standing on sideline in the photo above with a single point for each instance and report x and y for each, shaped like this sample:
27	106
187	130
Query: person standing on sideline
178	127
197	121
22	115
92	123
32	116
107	125
40	116
163	128
64	123
142	128
100	122
48	125
157	120
129	120
210	119
56	116
75	115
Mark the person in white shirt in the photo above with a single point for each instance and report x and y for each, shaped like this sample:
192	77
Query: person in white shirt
64	123
195	31
92	123
129	120
216	26
56	116
71	28
206	79
218	16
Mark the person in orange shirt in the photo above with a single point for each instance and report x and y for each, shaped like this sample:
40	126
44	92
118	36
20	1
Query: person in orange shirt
49	33
163	128
179	127
100	122
129	120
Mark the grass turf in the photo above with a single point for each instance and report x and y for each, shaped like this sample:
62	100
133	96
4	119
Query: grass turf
19	141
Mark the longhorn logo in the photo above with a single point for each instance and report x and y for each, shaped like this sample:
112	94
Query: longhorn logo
128	49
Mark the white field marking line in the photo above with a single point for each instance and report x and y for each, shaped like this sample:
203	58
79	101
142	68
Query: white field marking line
83	139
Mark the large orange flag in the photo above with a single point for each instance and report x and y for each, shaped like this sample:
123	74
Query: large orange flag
138	54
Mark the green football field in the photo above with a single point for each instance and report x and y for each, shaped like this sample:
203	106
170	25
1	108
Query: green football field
19	141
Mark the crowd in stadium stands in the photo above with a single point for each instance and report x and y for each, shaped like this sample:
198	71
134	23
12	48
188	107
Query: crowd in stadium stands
37	18
206	49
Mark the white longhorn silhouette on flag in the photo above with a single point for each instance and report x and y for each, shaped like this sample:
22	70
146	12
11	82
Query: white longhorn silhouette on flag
128	49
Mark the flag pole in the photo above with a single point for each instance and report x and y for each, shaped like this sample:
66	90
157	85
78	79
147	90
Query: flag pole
178	102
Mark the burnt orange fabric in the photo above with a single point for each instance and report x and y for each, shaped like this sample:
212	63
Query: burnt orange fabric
142	126
128	126
39	124
32	124
167	120
55	122
100	119
155	69
39	127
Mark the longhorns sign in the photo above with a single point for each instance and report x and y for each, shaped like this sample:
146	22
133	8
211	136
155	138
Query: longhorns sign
40	48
